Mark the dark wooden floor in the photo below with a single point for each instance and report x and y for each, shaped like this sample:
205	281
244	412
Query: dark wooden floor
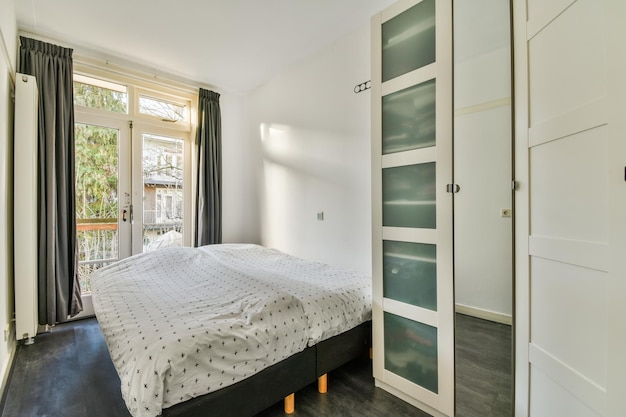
484	381
75	356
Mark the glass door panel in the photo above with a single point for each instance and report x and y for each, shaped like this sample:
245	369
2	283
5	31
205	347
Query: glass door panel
411	351
408	40
162	185
410	273
100	199
409	196
408	120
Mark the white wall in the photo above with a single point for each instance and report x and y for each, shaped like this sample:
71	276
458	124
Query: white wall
240	220
8	46
310	134
482	159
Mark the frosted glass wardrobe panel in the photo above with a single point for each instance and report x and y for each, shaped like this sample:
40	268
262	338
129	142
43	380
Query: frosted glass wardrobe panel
408	40
410	273
408	119
411	351
409	196
412	295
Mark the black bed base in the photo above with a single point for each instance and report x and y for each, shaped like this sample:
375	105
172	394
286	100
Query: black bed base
253	395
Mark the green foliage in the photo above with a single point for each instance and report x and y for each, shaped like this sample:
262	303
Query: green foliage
96	171
99	98
97	154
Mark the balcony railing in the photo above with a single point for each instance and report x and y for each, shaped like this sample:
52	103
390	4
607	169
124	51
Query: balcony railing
98	243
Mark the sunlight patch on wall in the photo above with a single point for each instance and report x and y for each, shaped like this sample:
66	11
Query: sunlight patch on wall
275	139
275	205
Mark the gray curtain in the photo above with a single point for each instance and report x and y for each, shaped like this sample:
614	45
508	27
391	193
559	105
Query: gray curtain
209	189
59	290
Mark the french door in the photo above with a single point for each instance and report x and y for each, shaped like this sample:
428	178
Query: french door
133	156
130	197
103	196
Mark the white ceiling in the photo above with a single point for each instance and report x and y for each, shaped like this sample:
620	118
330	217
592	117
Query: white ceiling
232	45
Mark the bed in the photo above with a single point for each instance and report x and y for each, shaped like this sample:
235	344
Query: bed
226	329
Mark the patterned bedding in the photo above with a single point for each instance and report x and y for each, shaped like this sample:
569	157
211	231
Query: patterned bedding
182	322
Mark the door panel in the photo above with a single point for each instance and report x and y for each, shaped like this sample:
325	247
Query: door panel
162	185
408	119
559	84
411	351
572	61
409	196
406	266
408	40
413	300
102	197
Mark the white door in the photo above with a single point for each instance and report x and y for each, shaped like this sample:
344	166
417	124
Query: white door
103	196
571	276
159	197
413	299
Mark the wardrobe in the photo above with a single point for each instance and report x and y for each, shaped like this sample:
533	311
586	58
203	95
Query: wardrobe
416	180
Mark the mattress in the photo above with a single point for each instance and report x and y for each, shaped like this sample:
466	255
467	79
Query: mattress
182	322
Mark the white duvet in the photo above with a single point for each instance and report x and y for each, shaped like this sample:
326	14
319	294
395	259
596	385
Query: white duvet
182	322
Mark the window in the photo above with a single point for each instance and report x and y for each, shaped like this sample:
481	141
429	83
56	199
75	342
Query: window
164	110
100	94
168	206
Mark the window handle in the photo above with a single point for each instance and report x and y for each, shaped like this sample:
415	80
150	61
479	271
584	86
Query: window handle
124	215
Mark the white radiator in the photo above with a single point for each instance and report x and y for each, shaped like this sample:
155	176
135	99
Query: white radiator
25	207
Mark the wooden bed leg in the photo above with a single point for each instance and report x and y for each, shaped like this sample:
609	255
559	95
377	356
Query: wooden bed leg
322	384
290	403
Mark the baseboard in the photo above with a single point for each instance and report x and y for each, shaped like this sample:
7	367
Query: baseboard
484	314
407	398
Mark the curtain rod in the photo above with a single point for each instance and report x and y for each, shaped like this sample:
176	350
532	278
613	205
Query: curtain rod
99	60
161	79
